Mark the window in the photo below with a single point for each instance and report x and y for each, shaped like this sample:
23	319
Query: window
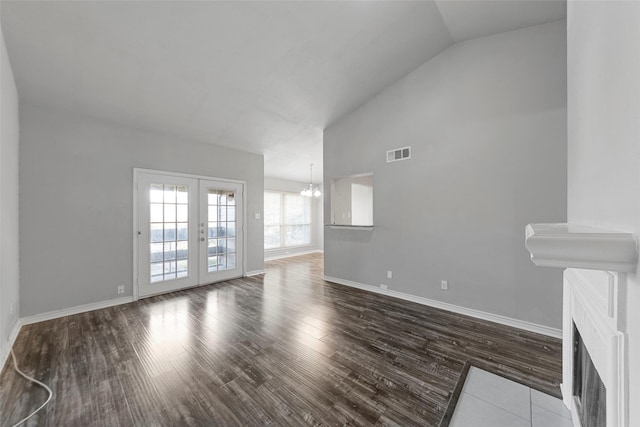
287	220
272	220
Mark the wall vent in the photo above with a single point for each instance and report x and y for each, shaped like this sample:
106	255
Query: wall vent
398	154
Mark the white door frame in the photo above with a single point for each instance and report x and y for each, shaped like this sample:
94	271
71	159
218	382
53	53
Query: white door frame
136	179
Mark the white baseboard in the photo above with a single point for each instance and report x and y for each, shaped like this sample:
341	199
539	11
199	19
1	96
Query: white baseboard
75	310
496	318
292	254
254	273
8	345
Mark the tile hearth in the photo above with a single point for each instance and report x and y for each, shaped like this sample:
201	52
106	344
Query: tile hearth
489	400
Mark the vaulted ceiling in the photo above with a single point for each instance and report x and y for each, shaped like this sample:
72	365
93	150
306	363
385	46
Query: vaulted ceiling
264	76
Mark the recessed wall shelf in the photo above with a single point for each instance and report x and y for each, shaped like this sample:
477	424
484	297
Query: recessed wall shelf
577	246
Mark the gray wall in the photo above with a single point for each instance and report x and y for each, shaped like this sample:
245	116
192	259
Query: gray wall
486	120
9	248
604	137
76	203
317	233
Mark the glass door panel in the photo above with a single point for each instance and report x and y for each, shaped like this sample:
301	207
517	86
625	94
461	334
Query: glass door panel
220	215
167	235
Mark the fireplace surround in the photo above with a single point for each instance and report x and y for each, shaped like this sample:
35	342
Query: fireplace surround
594	313
594	306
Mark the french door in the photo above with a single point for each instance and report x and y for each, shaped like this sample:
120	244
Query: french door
189	232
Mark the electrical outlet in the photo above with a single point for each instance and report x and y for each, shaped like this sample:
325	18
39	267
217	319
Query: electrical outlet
444	285
120	289
383	286
389	274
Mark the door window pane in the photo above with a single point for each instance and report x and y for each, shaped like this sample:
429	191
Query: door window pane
169	194
169	212
169	231
213	229
182	195
155	212
231	261
182	265
183	250
231	229
231	245
156	232
213	213
222	262
183	213
156	271
212	264
156	250
155	193
183	231
229	198
169	270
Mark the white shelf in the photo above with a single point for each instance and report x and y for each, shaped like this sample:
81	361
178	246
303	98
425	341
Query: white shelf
577	246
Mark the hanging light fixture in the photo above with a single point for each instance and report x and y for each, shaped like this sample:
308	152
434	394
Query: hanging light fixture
309	191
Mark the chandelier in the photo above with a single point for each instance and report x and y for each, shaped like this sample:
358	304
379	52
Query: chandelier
309	191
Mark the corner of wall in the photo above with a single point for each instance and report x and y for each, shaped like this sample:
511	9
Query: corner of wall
9	246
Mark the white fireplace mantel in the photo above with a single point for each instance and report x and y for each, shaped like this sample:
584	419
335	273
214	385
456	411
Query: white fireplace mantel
578	246
594	304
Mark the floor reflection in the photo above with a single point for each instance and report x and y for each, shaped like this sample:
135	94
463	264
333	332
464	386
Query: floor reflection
283	348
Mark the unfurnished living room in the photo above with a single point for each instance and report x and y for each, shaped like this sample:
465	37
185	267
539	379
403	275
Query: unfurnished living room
398	213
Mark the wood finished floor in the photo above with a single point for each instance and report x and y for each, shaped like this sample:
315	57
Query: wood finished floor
286	348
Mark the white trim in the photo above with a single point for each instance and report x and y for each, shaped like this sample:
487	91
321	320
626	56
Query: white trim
134	233
496	318
8	345
187	175
55	314
291	253
254	273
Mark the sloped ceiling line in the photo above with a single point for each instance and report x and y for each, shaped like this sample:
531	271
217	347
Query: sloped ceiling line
263	77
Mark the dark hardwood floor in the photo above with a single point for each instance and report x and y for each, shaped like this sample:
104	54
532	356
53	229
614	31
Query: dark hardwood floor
286	348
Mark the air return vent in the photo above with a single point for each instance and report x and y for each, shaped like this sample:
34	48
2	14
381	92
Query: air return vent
397	154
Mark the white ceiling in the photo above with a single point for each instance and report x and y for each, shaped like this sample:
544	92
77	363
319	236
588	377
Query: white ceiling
263	76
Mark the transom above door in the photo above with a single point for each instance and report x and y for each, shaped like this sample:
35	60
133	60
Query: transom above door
189	231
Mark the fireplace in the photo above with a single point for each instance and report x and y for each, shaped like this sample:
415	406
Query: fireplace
589	392
594	330
594	362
